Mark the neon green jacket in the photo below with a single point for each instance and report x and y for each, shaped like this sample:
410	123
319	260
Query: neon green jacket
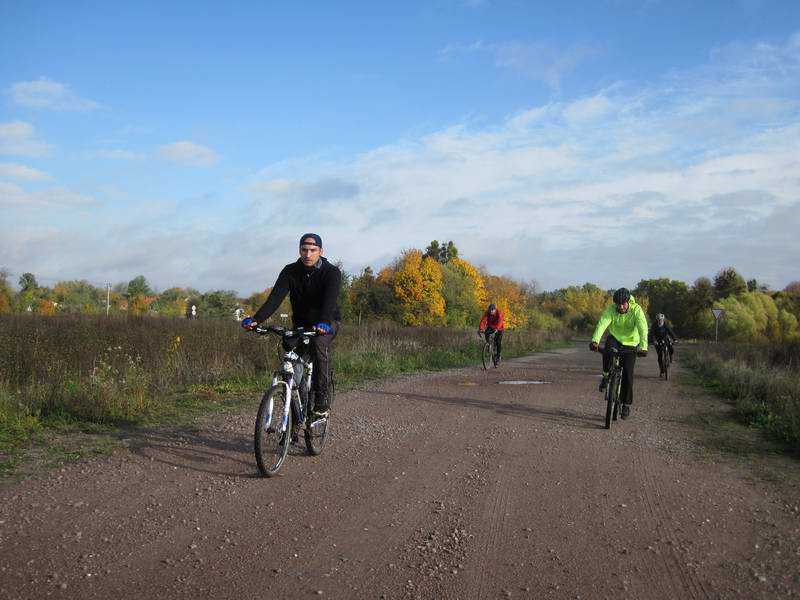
630	329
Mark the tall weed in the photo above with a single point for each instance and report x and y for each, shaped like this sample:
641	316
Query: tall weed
764	394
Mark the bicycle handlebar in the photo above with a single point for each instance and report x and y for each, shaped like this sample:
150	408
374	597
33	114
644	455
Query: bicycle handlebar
618	351
283	332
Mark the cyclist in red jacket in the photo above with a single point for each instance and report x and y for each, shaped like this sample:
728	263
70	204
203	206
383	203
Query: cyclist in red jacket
492	322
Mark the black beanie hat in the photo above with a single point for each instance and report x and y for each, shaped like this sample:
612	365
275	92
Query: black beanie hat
313	236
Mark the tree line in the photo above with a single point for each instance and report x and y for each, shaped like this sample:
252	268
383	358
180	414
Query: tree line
437	287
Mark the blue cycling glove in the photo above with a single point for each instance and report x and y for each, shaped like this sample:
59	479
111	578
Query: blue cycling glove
324	328
247	322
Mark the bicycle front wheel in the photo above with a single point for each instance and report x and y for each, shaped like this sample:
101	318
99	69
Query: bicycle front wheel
316	432
486	357
611	399
667	361
272	440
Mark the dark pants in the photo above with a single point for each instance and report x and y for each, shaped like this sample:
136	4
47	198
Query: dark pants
628	360
321	356
660	352
498	339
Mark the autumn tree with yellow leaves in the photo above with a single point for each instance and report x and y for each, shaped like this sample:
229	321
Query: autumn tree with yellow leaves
510	298
417	284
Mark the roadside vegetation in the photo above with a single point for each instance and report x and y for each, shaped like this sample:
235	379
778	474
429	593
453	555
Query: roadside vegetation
96	374
75	356
761	379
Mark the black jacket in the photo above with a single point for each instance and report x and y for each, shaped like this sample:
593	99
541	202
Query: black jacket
659	333
313	292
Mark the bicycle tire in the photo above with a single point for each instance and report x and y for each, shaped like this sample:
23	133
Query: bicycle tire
494	355
486	357
667	361
317	436
271	447
611	393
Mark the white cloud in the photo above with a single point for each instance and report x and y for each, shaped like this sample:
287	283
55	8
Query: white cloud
189	153
587	110
539	60
579	177
14	171
51	95
14	196
118	154
16	138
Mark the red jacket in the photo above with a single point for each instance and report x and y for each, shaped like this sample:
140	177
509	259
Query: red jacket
495	322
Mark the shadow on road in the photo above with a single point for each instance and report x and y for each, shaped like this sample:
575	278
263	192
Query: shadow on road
557	415
196	451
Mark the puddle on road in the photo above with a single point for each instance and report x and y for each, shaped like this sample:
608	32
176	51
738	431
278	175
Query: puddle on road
524	382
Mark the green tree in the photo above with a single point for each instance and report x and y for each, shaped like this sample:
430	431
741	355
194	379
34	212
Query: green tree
459	298
79	297
728	283
371	298
138	286
171	302
755	316
667	296
27	282
442	253
218	304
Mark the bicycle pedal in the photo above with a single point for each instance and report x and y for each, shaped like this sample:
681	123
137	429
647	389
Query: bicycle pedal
318	422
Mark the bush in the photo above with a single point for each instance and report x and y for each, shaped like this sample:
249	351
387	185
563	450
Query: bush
762	381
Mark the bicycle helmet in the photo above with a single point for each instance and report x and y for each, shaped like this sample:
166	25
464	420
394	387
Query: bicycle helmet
492	307
621	296
660	317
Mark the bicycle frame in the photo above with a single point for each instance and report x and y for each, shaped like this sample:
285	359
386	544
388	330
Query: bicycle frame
614	402
285	376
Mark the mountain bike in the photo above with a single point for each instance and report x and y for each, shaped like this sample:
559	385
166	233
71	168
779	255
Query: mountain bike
286	407
489	354
666	359
613	400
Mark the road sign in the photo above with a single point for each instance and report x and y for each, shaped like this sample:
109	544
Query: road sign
717	314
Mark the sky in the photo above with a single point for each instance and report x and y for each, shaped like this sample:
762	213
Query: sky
603	141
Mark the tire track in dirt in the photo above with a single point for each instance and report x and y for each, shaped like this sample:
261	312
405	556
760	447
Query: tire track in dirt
493	529
683	581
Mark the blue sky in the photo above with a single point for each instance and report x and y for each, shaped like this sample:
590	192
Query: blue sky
604	141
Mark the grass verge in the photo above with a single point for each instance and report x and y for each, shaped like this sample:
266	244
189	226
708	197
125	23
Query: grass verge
68	414
763	397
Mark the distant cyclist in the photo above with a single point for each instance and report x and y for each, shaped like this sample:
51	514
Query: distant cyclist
313	285
661	335
627	329
492	322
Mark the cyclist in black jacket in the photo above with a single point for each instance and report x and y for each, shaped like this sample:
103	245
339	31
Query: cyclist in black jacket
313	286
660	333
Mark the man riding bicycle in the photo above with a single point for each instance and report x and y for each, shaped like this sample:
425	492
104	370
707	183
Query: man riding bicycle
627	329
662	336
492	322
313	286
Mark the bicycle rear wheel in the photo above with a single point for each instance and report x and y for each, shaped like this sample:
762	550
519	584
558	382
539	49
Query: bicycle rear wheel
611	399
316	432
272	444
486	357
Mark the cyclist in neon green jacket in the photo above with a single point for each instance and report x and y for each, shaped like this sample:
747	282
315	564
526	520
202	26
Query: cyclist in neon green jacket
627	330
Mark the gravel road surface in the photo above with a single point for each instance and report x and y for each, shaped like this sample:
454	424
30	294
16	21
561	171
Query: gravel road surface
444	485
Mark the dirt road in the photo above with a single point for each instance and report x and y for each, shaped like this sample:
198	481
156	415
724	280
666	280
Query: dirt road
447	485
